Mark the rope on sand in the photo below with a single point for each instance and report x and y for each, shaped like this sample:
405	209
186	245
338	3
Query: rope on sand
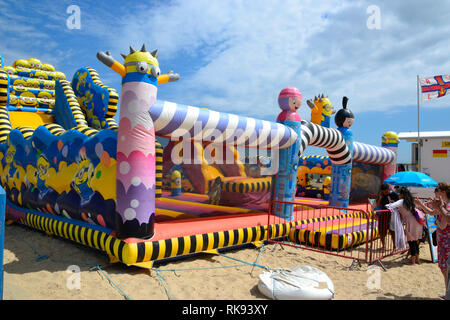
41	257
161	280
112	282
243	263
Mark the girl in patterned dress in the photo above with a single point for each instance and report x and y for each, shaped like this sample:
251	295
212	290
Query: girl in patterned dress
440	207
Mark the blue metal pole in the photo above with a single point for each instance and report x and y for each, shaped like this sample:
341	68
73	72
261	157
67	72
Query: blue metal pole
2	235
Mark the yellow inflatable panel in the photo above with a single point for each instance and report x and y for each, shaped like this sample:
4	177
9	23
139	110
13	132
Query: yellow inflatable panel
29	119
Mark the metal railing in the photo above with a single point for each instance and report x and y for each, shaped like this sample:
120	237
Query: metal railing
360	235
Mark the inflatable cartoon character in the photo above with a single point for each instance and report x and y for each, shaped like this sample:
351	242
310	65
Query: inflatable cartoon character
289	100
321	110
21	64
44	98
41	75
136	140
58	75
81	182
176	183
326	187
35	63
341	182
10	70
10	167
19	84
48	67
49	85
285	181
390	139
42	175
28	99
33	83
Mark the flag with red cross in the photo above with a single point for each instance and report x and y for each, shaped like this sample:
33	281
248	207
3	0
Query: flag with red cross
434	87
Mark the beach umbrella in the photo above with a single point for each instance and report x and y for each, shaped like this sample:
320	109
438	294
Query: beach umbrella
411	179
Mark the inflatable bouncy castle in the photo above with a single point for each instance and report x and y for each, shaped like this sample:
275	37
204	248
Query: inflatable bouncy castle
70	169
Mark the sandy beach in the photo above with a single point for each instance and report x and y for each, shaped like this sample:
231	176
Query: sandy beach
36	267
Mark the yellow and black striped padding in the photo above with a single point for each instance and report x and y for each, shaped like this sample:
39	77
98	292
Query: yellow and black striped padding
146	251
112	124
93	238
327	240
113	95
250	185
73	103
54	128
5	123
159	169
314	156
27	132
86	130
3	88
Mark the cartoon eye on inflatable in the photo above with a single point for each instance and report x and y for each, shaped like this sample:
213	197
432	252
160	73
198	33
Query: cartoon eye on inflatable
155	71
142	67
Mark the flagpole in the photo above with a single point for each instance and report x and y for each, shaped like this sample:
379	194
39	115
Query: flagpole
419	154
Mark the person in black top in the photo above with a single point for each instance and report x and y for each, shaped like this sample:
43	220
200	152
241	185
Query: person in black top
385	197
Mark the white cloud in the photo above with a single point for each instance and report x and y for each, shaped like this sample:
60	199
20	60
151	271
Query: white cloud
242	52
236	56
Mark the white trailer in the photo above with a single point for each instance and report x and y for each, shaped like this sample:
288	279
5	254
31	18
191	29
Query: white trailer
434	156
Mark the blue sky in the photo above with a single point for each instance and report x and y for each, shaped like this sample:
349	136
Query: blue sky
236	56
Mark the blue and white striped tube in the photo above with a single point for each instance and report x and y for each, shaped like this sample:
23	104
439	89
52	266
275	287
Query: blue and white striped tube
177	120
372	154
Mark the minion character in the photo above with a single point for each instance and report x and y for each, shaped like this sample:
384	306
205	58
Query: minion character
44	98
34	63
82	180
321	110
33	83
49	85
28	99
41	75
48	67
42	175
13	99
10	70
58	75
19	84
10	167
326	188
390	139
175	185
141	75
21	64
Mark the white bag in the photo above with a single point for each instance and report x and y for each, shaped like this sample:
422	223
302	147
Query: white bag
298	283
